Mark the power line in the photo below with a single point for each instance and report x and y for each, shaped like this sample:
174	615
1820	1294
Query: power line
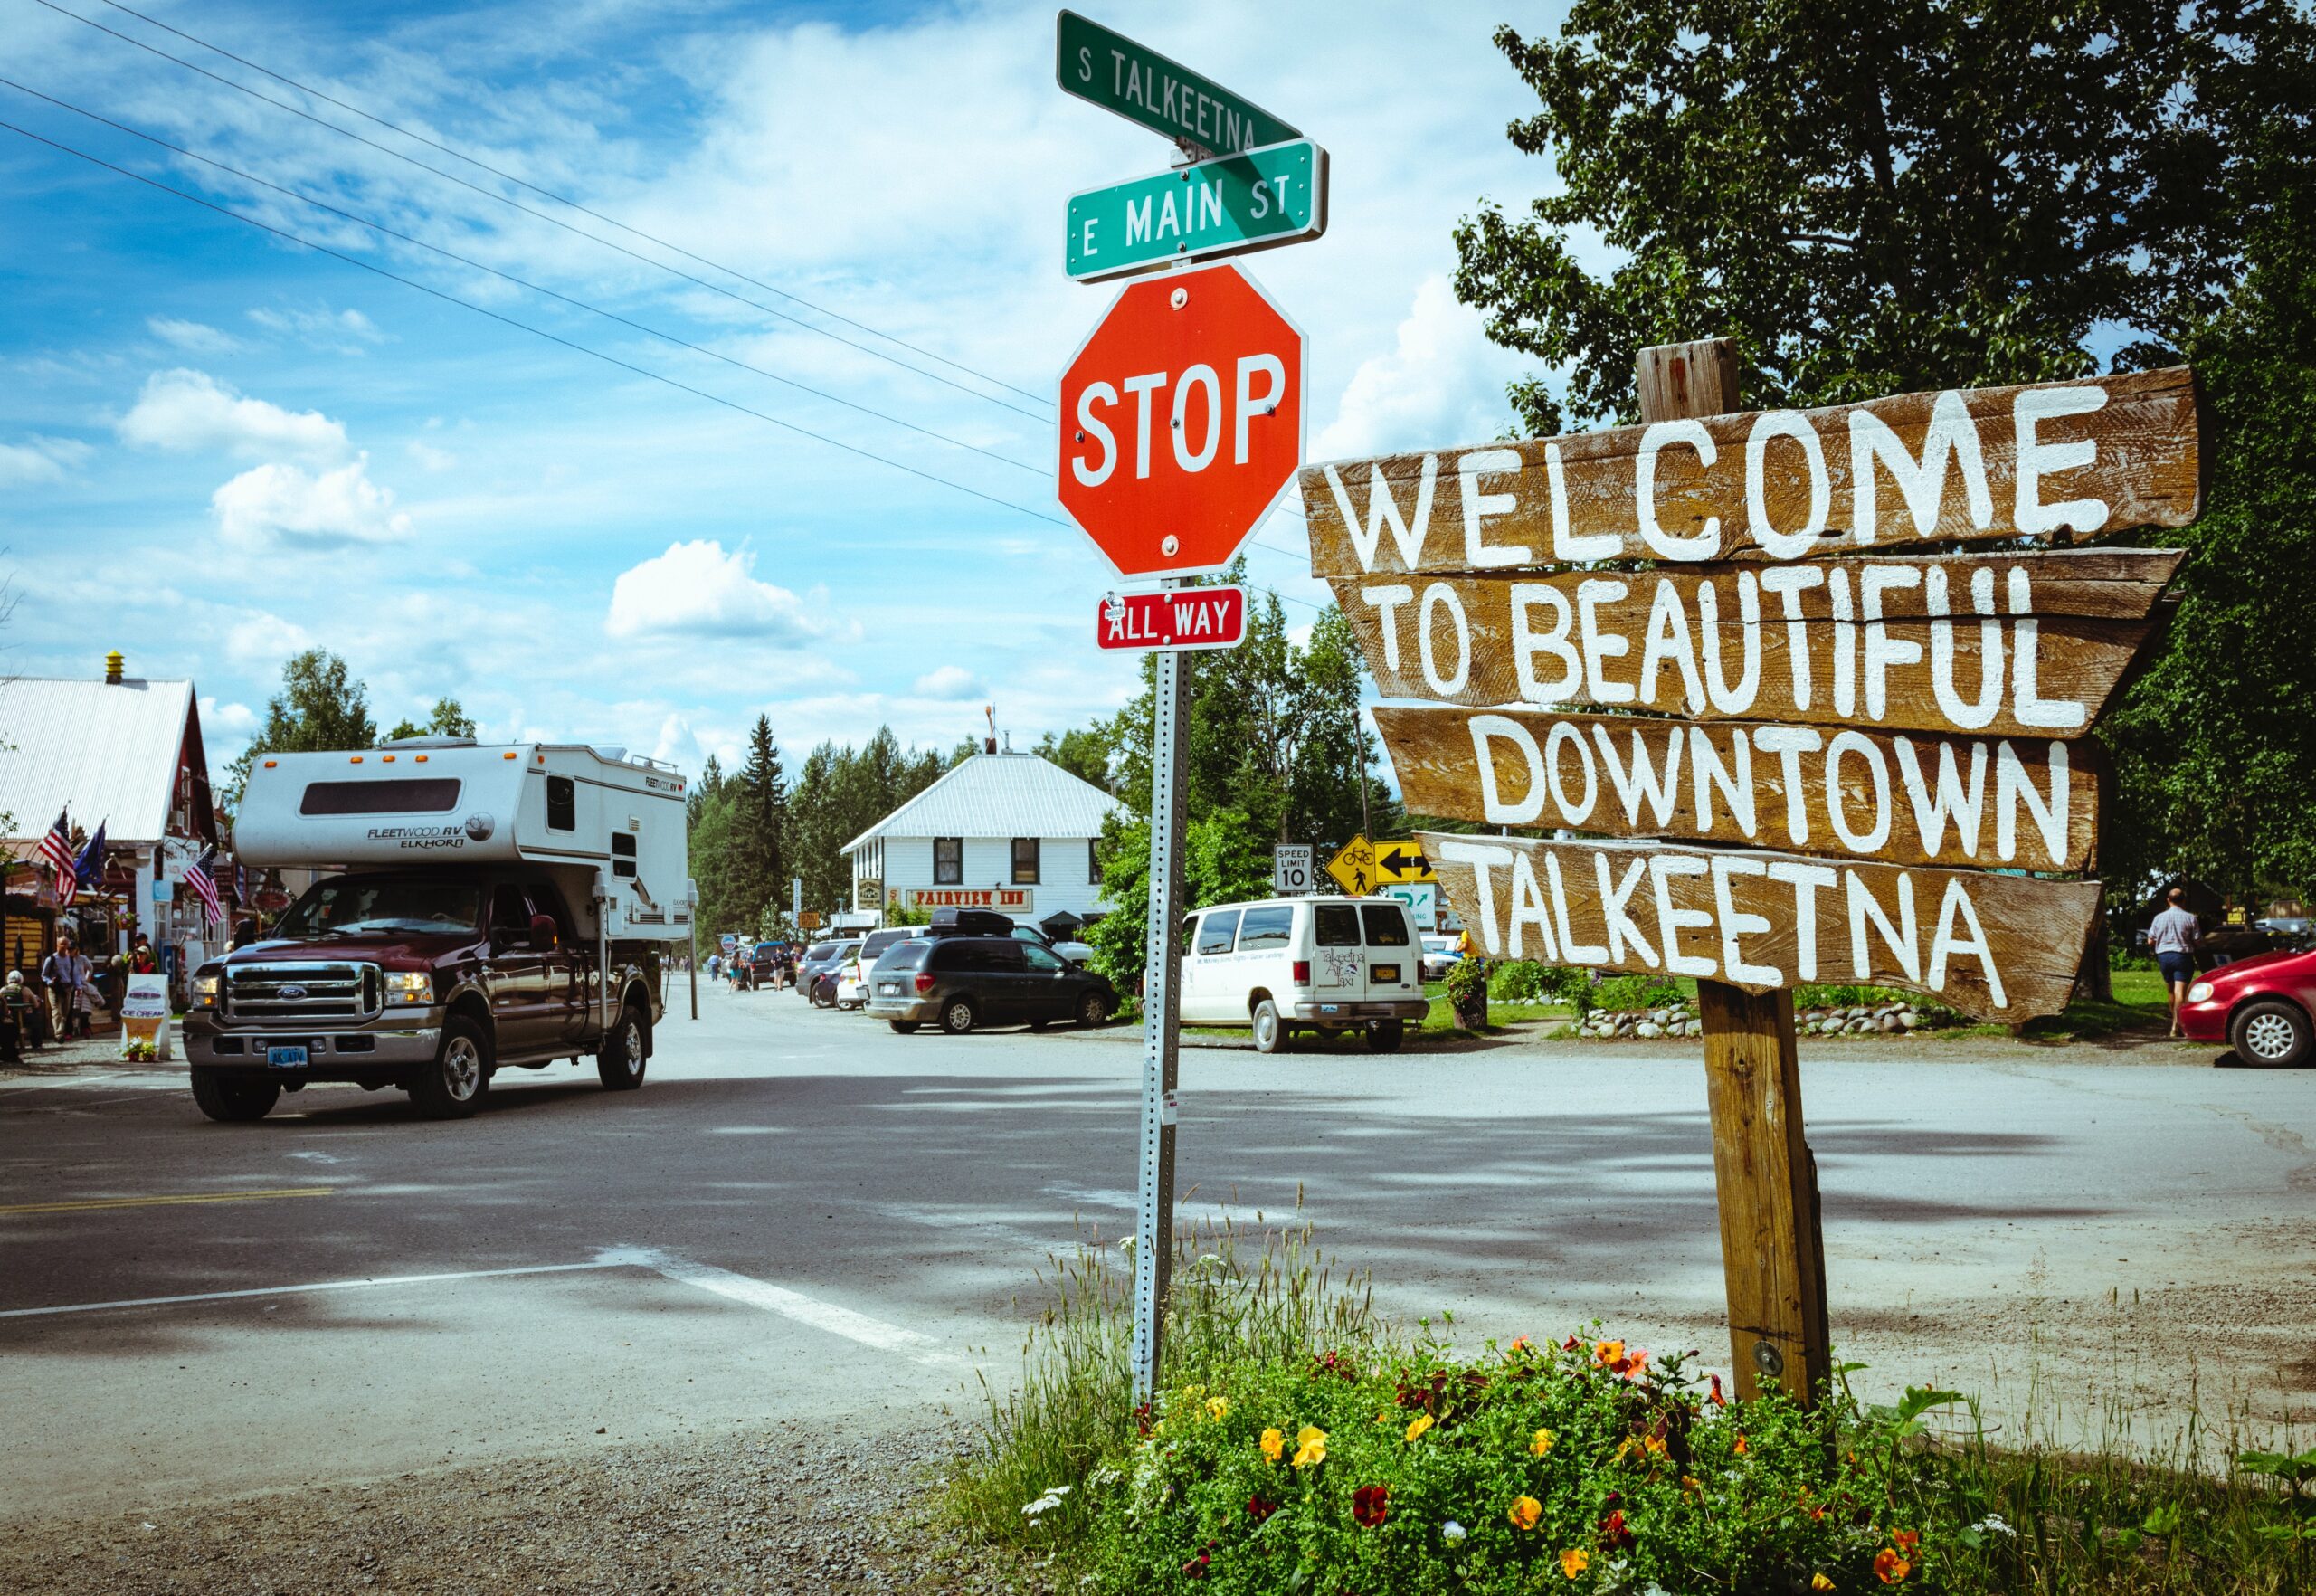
522	283
576	232
526	326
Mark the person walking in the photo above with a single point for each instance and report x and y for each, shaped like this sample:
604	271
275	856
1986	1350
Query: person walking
2173	938
66	973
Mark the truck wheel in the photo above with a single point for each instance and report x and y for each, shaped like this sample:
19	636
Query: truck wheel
1271	1034
957	1016
2270	1033
1384	1036
621	1064
232	1101
450	1087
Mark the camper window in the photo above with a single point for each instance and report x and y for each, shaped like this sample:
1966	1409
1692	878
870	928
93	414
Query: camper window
562	804
623	853
407	796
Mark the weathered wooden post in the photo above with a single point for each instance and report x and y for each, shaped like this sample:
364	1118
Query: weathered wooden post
1772	1254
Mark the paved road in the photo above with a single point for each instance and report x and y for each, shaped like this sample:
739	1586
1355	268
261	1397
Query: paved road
802	1214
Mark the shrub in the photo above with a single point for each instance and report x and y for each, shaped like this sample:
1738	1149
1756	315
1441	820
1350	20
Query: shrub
1637	991
1517	981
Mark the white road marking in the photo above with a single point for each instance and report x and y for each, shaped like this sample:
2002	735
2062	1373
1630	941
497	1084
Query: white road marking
792	1304
605	1262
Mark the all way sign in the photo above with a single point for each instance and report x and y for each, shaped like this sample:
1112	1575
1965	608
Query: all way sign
1231	206
1180	617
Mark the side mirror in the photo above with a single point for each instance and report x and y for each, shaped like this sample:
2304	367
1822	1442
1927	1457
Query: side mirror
543	933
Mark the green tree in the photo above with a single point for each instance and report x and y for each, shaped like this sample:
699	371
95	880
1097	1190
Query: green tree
1082	751
753	878
448	718
321	706
1872	198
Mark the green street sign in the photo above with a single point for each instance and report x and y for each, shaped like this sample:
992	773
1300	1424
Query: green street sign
1135	81
1231	205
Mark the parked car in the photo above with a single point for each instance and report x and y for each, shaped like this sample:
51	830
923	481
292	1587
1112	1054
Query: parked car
966	983
820	989
2259	1006
1441	954
974	922
764	961
1305	964
852	979
2297	930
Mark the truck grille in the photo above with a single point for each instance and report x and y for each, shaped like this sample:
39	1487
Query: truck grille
303	991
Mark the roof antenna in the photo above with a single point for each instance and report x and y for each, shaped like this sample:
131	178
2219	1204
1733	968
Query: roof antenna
990	746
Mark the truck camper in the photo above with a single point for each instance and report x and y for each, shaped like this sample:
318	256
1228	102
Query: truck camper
479	905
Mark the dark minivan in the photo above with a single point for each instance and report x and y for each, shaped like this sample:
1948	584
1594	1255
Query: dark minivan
964	982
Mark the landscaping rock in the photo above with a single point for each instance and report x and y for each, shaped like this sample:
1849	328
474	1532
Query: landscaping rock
1648	1028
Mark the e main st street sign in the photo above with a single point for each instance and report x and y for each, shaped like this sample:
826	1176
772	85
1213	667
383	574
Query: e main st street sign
1231	205
1719	628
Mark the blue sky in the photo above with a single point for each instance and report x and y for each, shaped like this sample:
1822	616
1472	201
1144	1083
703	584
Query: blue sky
216	449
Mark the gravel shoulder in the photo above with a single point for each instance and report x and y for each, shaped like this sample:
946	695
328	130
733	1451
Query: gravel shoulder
782	1509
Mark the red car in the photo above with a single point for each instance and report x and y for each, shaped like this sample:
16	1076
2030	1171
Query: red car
2259	1006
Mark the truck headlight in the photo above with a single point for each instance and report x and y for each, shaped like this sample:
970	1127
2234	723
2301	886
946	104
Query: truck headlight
2200	993
409	986
205	990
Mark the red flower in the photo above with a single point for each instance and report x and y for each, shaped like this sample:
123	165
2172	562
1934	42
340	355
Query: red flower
1371	1505
1717	1398
1195	1568
1259	1509
1613	1533
1142	1419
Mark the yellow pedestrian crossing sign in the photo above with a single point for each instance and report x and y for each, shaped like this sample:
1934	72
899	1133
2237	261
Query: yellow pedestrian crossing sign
1353	868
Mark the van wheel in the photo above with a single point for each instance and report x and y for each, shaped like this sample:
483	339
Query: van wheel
231	1101
2270	1033
957	1016
619	1066
905	1026
1092	1011
450	1087
1272	1034
1384	1036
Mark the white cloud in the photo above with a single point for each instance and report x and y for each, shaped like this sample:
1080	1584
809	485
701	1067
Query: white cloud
263	641
696	588
951	682
193	338
341	332
183	409
39	459
235	719
286	506
430	457
1441	383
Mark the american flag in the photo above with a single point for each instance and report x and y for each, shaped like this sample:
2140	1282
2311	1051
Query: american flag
204	887
56	852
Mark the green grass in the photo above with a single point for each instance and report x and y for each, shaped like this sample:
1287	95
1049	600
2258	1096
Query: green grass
1263	1333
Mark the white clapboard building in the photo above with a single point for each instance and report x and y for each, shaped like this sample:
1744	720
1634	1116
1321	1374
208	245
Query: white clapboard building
1009	831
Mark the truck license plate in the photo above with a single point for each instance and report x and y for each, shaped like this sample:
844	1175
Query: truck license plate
285	1058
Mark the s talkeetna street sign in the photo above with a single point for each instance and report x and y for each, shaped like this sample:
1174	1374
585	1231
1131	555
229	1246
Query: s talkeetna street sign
1133	80
1232	205
1181	421
1177	618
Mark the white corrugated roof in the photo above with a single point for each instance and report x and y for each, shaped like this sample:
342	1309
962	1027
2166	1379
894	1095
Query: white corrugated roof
106	751
1000	795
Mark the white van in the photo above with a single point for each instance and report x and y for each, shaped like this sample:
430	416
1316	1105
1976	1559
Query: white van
1303	964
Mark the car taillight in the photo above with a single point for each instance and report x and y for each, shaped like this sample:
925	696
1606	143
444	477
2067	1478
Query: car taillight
924	981
1301	971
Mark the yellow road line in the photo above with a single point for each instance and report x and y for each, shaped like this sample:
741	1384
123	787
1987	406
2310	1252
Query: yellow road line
158	1202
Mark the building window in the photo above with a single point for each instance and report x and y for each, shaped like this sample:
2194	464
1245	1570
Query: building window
1092	861
948	861
1025	861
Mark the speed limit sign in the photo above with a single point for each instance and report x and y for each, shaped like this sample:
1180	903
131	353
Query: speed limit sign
1290	868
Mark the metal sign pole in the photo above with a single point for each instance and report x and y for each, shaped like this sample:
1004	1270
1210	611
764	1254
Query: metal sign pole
1162	1007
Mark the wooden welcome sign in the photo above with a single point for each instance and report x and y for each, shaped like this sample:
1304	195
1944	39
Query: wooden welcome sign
1768	745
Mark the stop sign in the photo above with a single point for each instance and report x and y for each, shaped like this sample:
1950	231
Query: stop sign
1181	421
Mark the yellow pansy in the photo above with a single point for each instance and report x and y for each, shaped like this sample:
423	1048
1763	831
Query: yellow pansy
1819	1582
1525	1512
1575	1560
1542	1444
1422	1423
1217	1407
1272	1443
1310	1446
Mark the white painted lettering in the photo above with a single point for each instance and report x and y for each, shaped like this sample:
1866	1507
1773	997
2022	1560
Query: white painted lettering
1953	800
1807	880
1735	778
1623	929
1900	938
1528	909
1726	699
1956	914
1469	469
1670	921
1735	924
1141	388
1882	650
1869	840
1601	645
2013	787
1485	731
1483	857
1705	543
1562	736
1950	435
1252	404
1567	548
1436	596
1641	782
1789	583
1768	426
2037	459
1668	638
1790	743
1386	600
1527	643
1200	375
1093	427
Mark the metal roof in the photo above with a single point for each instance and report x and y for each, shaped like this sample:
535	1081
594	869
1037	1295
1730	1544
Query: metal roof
1000	795
106	751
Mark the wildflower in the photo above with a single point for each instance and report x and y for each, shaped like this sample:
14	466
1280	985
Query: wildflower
1605	1354
1613	1531
1906	1540
1259	1508
1575	1560
1272	1443
1525	1512
1542	1444
1416	1430
1993	1522
1740	1449
1689	1483
1717	1398
1521	1344
1890	1568
1041	1505
1217	1407
1819	1582
1371	1505
1310	1446
1453	1532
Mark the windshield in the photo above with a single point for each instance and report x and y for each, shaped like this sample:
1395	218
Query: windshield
383	906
